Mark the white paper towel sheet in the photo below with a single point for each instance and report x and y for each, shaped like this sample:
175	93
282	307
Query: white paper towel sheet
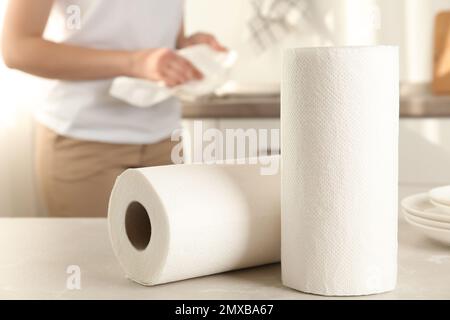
214	66
178	222
340	115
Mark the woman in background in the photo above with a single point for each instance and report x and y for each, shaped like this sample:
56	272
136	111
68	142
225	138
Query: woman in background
85	138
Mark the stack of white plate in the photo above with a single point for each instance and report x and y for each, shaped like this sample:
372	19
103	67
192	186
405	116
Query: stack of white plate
429	213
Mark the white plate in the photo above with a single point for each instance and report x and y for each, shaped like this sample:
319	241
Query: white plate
427	222
420	206
443	207
441	196
440	235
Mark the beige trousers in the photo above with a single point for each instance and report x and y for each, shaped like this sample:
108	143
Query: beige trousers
75	177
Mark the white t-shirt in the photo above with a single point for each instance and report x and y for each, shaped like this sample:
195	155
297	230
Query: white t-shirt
84	109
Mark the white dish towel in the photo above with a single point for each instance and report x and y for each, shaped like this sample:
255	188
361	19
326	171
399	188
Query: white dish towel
214	65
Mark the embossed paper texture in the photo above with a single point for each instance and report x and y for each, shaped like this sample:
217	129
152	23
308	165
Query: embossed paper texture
340	117
179	222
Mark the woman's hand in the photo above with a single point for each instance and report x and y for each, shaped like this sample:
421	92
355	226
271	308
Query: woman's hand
163	65
202	38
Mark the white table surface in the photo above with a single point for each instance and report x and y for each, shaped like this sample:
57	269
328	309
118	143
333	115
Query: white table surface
35	254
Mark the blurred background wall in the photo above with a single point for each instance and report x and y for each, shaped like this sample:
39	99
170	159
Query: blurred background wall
407	23
18	196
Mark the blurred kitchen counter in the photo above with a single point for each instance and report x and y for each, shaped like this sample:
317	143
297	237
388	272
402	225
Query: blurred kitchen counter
36	253
416	101
252	106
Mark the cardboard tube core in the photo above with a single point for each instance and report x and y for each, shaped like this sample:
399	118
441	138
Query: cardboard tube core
138	226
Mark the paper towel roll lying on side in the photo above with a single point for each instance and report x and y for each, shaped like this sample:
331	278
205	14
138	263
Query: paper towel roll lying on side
340	115
178	222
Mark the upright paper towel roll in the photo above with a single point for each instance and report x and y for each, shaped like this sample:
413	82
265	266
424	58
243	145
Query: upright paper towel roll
340	112
178	222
